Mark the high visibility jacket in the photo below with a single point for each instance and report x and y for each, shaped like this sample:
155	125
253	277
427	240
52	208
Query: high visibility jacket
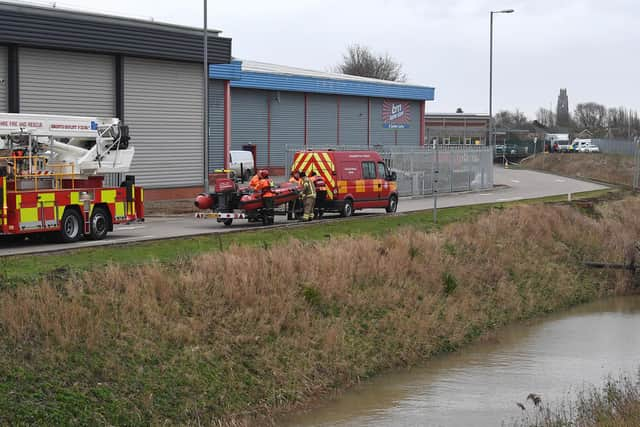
308	189
254	181
266	187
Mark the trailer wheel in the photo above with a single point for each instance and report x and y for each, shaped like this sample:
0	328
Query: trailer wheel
71	226
393	204
100	221
228	221
347	209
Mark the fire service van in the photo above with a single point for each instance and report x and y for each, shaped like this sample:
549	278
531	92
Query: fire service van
354	179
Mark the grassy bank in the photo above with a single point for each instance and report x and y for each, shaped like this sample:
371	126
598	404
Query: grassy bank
615	404
262	328
611	168
25	270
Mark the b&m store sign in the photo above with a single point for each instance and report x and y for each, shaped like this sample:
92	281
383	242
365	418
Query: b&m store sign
396	114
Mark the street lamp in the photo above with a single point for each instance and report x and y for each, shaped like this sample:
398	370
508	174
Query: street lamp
205	117
491	141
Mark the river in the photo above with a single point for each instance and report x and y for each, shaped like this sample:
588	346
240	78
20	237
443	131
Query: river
554	357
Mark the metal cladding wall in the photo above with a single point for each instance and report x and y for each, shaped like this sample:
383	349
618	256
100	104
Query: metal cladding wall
51	28
249	121
163	108
4	101
353	120
322	120
216	125
287	124
411	136
58	82
383	136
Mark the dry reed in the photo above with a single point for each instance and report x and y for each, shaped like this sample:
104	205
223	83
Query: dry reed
261	329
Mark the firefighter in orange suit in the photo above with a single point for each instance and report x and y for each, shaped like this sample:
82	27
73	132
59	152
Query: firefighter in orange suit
308	197
321	193
266	187
254	180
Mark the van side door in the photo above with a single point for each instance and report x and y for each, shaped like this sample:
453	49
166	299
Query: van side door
366	192
382	185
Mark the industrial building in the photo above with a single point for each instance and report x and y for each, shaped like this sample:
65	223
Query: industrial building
274	106
150	75
456	128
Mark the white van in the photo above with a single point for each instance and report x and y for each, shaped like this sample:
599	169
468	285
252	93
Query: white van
241	164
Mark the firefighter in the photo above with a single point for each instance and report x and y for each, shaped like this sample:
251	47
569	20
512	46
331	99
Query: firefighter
255	179
294	205
321	193
266	187
308	197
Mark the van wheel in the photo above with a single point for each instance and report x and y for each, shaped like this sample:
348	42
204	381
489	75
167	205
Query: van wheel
100	221
347	209
227	221
70	226
393	204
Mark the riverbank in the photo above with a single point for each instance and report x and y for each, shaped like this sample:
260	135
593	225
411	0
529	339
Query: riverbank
615	404
259	330
609	168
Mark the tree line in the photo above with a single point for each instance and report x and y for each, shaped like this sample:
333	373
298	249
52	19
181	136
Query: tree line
600	121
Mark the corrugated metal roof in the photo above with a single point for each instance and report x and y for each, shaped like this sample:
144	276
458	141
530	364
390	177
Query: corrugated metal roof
260	75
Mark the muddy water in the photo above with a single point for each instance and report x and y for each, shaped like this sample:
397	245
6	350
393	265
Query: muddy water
479	386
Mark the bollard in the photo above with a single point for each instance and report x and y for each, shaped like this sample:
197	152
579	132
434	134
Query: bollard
569	197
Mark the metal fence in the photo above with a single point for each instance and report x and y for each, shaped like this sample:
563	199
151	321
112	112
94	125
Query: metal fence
460	168
616	146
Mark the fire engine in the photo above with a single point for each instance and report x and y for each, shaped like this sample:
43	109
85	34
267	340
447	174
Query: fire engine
52	171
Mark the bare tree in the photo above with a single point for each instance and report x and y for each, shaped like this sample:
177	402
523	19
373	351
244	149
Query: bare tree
546	117
361	61
511	120
590	115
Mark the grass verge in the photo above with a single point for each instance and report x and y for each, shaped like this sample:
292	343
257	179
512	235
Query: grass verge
610	168
260	328
21	270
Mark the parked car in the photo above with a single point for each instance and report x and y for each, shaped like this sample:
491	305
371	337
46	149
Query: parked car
241	164
588	147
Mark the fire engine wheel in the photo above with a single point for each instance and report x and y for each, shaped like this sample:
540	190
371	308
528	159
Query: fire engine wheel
393	204
71	226
99	220
228	221
347	209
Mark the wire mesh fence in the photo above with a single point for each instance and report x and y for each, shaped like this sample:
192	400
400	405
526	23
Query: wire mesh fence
616	146
460	168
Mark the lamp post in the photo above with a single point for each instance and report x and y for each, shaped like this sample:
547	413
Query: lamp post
491	141
205	118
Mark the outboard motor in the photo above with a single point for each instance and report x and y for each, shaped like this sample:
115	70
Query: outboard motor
223	198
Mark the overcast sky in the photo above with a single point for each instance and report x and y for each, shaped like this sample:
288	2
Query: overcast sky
590	47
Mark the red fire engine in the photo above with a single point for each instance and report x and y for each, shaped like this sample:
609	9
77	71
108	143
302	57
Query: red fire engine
52	170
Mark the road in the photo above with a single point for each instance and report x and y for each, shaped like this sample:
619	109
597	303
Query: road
511	185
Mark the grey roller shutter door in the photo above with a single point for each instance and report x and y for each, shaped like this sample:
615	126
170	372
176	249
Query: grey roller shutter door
67	83
163	108
4	105
379	135
249	122
322	120
411	136
216	125
287	124
353	120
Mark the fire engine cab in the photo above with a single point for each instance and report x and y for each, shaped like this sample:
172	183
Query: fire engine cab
354	179
52	170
